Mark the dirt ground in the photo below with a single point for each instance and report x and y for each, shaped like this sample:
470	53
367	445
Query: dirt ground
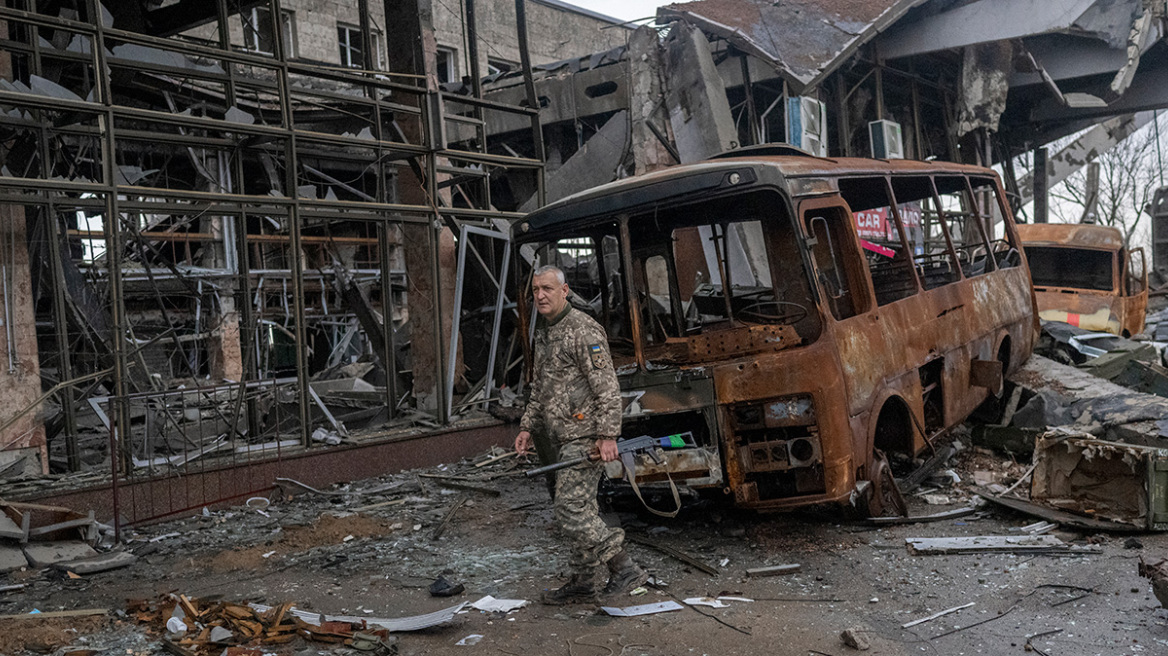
317	552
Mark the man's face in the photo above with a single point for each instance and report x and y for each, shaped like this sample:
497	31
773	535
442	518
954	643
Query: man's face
550	294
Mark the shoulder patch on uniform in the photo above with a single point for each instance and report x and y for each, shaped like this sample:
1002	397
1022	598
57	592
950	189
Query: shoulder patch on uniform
596	352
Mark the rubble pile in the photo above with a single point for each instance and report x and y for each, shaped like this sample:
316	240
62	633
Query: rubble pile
35	536
194	626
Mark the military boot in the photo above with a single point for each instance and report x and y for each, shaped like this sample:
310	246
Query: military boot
625	574
582	588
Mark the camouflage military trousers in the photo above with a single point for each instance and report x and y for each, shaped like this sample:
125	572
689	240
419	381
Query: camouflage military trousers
577	512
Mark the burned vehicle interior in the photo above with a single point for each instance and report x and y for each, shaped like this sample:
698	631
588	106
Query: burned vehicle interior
696	303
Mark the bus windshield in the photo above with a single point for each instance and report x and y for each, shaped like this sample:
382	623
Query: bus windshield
709	280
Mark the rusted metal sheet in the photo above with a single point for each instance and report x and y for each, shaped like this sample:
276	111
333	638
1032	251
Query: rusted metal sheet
1071	234
1122	483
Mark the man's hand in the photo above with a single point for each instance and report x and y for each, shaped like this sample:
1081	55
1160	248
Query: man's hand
607	449
523	442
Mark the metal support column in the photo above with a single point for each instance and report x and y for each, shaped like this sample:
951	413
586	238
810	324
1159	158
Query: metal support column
1041	212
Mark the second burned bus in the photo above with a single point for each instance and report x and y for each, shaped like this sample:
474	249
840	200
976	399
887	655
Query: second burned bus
803	317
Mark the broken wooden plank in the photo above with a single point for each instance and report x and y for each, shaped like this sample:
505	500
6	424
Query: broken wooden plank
77	612
1061	516
449	515
461	485
493	460
776	570
383	504
1043	544
921	519
936	615
670	551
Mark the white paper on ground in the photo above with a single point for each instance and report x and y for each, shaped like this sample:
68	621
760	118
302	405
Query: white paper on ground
644	609
489	603
706	601
714	602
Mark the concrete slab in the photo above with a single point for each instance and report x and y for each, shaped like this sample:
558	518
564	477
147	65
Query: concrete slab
43	554
100	563
11	558
9	528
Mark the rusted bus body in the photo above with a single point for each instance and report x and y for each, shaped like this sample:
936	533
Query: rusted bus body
828	348
1085	276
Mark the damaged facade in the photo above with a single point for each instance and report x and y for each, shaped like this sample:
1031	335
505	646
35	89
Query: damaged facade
216	252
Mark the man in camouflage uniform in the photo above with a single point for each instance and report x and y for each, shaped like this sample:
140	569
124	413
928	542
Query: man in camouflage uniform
575	401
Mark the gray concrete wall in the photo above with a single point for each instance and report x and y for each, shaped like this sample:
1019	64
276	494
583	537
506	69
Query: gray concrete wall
554	33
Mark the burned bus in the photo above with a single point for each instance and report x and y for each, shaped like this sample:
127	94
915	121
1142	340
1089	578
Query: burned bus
804	317
1085	275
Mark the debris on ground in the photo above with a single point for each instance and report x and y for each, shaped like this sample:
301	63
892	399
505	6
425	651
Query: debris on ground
644	609
855	639
1157	573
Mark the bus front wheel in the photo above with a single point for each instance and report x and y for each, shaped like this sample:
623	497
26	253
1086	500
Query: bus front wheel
885	499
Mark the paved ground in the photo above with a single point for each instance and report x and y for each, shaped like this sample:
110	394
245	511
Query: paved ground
324	555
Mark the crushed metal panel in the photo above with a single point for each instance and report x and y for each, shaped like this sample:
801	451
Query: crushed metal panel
804	39
1123	483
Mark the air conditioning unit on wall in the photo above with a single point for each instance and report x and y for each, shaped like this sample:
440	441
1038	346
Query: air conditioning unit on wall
807	124
887	140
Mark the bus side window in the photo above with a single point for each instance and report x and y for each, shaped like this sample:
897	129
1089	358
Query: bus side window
889	256
960	212
835	259
988	205
928	234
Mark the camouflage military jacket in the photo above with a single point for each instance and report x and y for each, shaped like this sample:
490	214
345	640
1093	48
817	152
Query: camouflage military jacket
575	393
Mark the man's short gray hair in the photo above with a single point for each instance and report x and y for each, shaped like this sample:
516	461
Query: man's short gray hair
547	268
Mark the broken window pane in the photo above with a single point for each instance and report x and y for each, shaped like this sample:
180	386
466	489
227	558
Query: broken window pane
258	35
719	265
1135	272
352	47
888	254
965	228
1073	268
927	231
989	205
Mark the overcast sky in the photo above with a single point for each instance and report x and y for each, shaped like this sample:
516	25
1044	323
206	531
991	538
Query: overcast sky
623	9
